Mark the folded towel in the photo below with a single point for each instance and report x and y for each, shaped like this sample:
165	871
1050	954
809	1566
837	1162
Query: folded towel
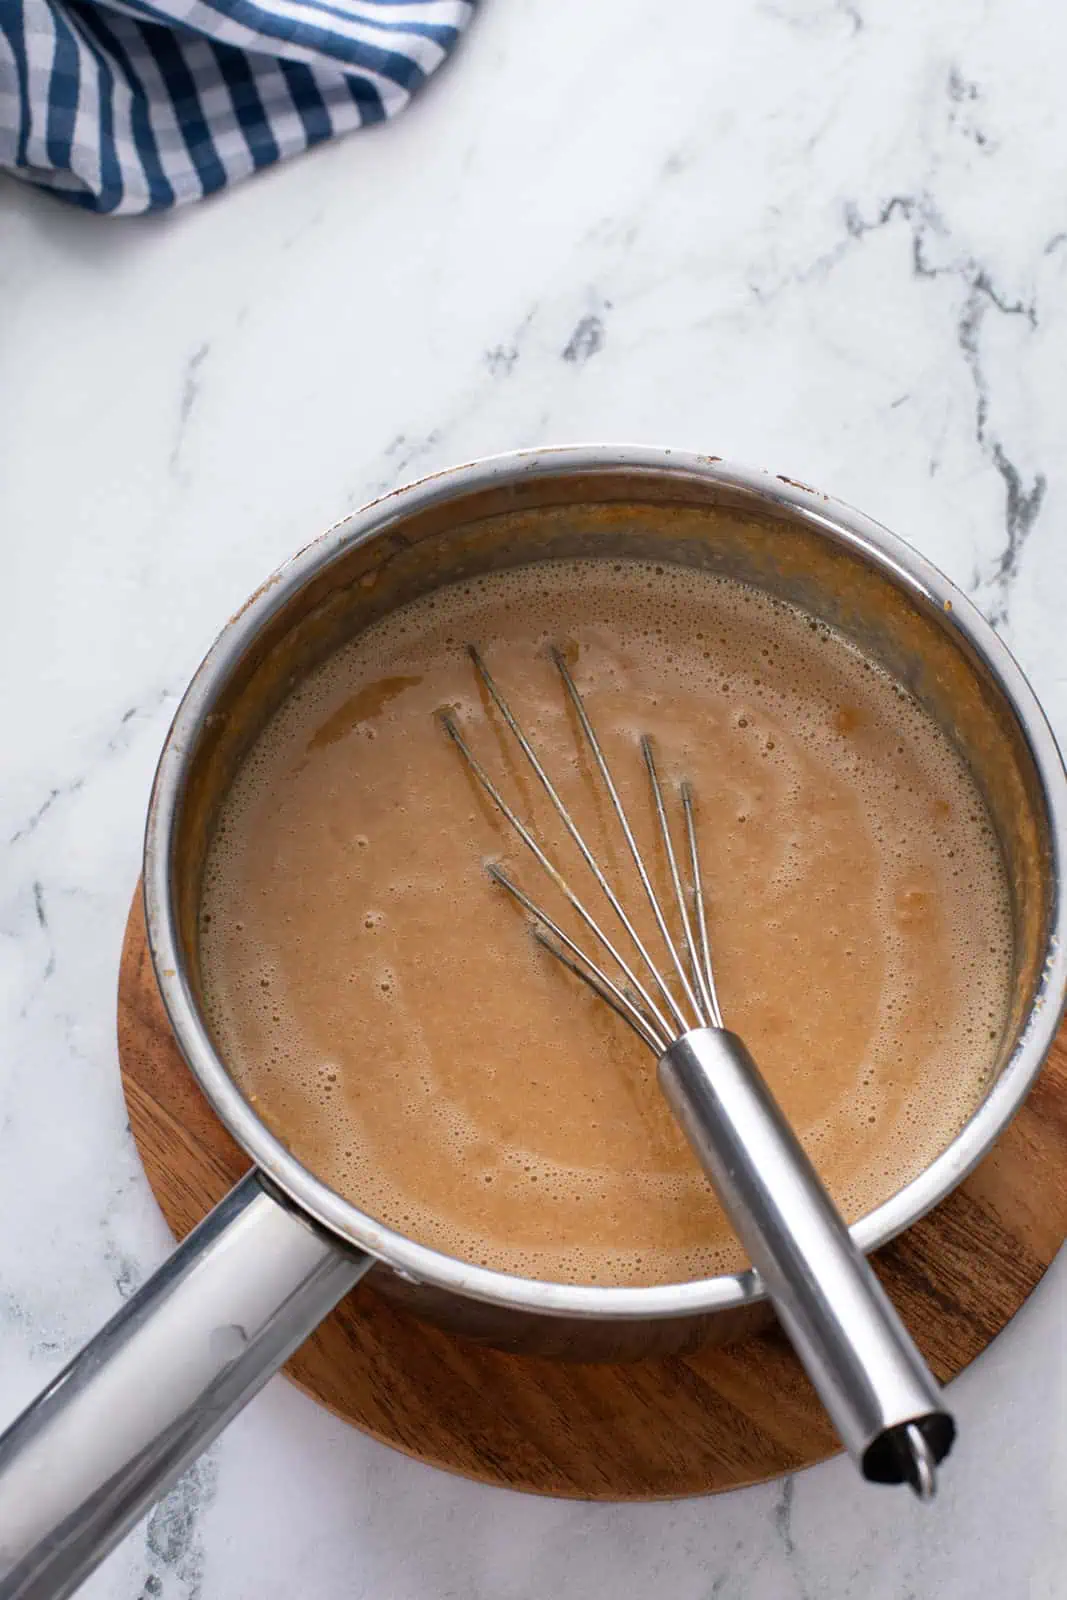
123	106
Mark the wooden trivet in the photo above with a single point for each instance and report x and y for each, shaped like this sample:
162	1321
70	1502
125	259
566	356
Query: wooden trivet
681	1425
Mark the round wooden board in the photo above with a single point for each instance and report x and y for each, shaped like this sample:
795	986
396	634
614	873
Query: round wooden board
655	1429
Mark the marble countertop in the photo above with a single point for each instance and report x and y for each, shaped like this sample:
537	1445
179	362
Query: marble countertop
823	236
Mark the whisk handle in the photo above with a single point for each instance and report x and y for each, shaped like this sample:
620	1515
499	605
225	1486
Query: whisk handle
876	1387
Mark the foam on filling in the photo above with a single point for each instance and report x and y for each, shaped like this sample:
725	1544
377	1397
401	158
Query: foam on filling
385	1007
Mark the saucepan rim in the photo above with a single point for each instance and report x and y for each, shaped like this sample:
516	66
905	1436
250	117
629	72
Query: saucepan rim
419	1263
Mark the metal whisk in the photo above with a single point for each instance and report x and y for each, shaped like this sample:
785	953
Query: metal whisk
874	1384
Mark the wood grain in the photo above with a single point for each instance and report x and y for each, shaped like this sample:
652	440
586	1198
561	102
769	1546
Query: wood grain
682	1425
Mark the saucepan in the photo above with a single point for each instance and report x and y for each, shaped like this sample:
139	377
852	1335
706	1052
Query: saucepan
247	1287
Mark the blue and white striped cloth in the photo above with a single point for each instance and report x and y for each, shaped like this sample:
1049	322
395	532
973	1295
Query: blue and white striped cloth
123	106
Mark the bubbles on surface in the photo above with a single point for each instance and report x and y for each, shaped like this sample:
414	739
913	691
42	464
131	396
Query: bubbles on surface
399	1033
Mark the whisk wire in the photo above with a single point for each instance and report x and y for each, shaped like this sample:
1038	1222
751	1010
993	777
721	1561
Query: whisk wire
633	1003
676	880
449	724
628	833
572	828
705	970
607	991
578	962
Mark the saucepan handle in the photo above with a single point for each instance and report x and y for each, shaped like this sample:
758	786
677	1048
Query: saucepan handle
112	1433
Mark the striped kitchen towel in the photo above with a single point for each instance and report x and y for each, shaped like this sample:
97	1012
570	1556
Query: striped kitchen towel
123	106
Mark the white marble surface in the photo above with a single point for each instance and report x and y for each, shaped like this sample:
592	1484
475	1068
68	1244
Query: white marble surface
829	238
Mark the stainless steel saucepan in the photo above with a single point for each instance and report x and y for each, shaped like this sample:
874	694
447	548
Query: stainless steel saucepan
246	1288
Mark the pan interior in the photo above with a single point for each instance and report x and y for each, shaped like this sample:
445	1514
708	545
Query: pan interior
720	530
